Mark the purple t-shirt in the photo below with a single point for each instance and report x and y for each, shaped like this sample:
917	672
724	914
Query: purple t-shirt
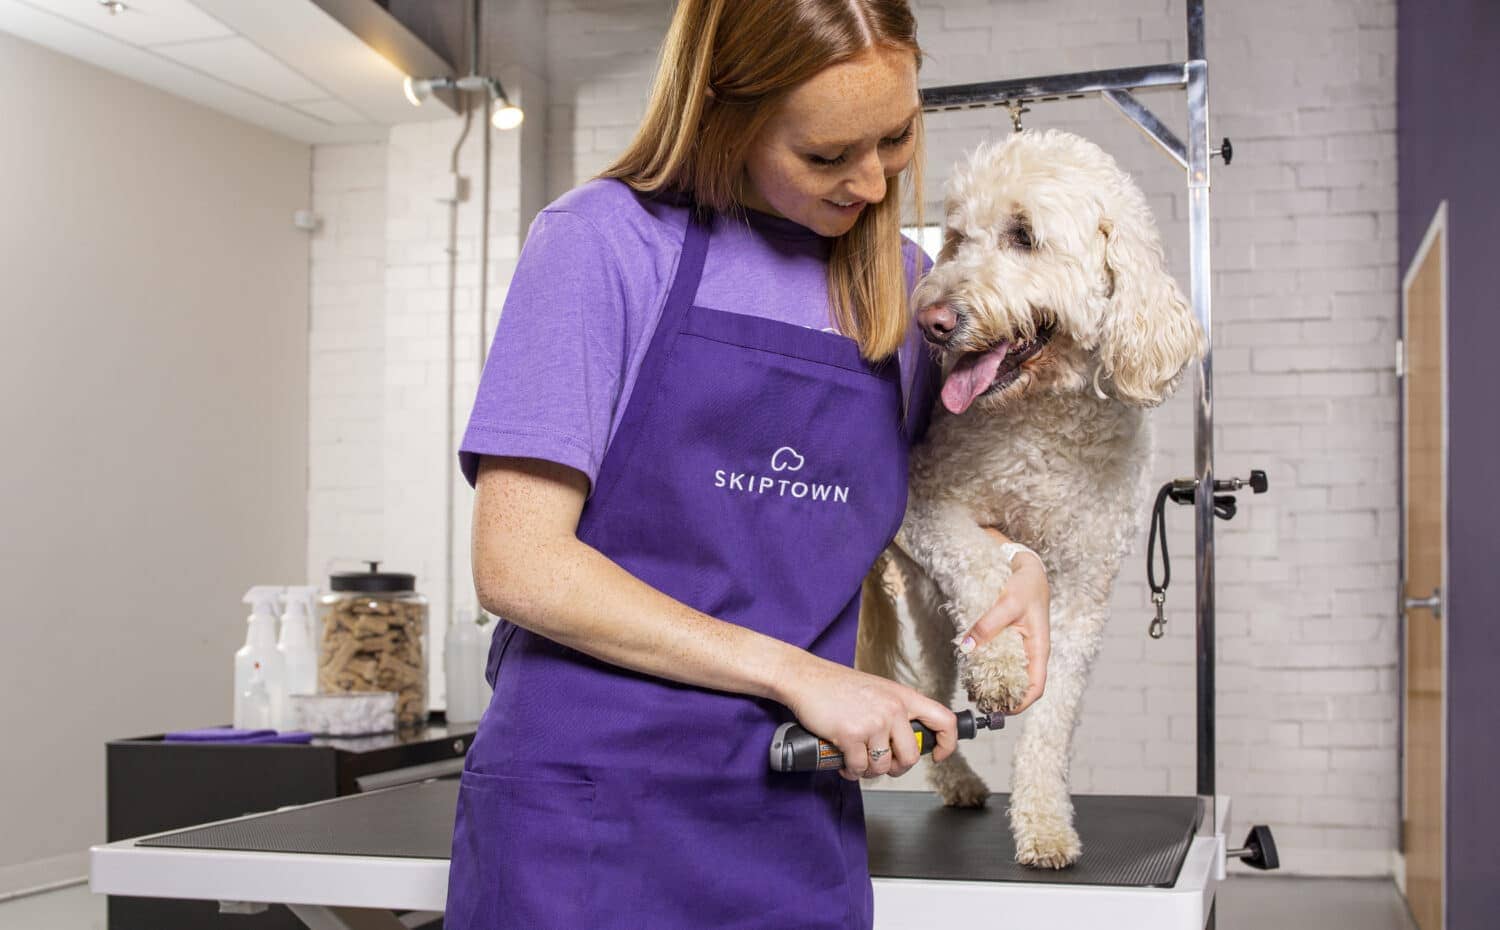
588	289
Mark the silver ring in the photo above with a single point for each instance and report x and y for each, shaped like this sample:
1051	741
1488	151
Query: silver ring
877	753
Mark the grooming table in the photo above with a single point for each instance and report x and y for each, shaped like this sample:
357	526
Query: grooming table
353	861
1142	865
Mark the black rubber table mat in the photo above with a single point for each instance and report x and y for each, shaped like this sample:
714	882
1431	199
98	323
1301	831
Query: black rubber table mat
1127	840
1132	841
409	822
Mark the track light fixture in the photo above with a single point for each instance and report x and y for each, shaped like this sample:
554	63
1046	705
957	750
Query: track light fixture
505	115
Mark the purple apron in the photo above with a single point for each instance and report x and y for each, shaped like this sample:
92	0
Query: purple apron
759	470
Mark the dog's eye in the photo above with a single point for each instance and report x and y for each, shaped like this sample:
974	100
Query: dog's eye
1020	236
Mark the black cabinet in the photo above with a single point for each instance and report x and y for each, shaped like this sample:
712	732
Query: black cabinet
153	786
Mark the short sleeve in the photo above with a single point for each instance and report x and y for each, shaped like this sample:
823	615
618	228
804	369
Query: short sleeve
554	371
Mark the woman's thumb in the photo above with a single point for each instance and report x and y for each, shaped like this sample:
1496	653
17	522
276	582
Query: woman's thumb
997	618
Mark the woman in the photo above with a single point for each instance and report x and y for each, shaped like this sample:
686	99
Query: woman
682	479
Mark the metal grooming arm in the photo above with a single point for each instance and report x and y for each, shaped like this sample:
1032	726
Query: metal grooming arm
1116	85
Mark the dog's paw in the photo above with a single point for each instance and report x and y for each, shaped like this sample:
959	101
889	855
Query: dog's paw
963	790
968	793
994	674
1043	841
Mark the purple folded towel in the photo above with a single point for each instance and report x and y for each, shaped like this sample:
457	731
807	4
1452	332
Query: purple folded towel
217	734
233	735
290	736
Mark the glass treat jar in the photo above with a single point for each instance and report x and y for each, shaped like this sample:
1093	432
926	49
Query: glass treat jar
372	627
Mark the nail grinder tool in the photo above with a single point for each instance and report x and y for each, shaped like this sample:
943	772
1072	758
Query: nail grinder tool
794	749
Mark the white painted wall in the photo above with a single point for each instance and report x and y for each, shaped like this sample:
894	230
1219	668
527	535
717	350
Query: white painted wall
1304	288
153	365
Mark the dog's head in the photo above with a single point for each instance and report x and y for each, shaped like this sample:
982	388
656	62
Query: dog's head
1052	278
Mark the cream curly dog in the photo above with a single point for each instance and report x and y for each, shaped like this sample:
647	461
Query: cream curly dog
1057	325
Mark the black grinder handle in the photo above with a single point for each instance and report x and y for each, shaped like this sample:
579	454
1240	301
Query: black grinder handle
794	749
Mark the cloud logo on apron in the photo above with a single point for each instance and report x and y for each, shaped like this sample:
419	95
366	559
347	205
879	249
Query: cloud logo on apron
783	460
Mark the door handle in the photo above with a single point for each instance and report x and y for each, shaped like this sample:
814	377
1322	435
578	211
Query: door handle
1433	603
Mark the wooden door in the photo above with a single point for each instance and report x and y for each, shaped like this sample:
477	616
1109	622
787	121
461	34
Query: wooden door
1424	499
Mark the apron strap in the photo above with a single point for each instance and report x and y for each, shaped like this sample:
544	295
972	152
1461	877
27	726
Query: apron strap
683	291
689	270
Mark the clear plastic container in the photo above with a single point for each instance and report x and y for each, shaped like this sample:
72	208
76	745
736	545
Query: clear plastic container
354	713
373	626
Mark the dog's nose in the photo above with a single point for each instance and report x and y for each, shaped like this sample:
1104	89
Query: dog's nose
938	322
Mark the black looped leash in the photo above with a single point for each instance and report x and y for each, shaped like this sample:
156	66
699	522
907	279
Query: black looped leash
1159	529
1182	492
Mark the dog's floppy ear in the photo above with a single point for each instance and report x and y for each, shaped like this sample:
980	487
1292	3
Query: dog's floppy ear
1148	334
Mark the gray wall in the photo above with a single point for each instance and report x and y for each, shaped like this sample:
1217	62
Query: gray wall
1448	138
153	363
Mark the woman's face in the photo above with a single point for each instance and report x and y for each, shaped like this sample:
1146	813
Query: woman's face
840	136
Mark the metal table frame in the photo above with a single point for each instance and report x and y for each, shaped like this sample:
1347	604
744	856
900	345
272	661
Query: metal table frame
1116	86
362	892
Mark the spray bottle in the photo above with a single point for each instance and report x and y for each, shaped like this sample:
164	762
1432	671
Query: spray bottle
297	651
255	702
465	648
260	647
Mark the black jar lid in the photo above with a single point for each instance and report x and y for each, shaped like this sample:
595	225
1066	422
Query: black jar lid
373	581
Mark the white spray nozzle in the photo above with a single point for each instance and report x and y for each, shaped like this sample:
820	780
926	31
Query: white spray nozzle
263	597
301	596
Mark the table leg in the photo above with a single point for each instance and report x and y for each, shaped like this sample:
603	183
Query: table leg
320	917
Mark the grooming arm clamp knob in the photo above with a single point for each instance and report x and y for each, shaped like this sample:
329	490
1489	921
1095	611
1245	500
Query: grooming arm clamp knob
1259	850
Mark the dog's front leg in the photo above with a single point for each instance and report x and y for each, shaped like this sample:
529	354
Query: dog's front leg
1041	809
966	564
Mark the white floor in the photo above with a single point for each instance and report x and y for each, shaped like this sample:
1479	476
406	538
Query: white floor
1286	903
74	908
1244	904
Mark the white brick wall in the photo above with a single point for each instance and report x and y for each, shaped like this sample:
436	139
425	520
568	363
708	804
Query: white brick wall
381	451
1305	280
600	62
346	473
382	460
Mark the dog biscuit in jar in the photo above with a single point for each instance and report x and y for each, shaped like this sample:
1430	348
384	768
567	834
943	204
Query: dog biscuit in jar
374	625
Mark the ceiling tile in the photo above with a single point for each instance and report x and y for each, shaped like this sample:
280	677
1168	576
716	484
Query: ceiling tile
333	111
145	22
241	62
289	67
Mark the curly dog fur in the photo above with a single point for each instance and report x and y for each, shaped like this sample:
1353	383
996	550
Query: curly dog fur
1052	264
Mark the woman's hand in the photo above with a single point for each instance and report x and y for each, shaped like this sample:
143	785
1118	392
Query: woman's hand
857	712
1024	600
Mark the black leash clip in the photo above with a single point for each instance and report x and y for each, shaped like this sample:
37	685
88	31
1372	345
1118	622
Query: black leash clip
1184	491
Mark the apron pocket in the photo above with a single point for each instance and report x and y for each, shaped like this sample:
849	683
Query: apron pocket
699	852
522	846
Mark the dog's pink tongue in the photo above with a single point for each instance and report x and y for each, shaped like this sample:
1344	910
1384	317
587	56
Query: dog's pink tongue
970	377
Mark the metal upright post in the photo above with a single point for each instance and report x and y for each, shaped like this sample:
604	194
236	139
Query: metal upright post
1195	31
1198	153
